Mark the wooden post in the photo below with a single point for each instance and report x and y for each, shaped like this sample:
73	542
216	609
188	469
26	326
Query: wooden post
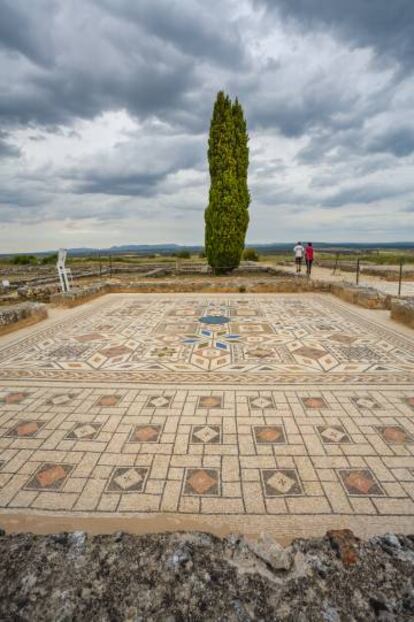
400	278
336	263
357	272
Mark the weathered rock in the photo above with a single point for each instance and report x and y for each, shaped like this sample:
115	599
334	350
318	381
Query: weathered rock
403	311
345	544
24	314
192	576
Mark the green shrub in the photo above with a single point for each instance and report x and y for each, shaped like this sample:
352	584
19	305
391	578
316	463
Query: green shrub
250	254
24	260
49	259
182	254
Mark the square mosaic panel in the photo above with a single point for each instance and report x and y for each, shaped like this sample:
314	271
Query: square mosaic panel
269	434
410	402
333	434
202	482
314	402
49	476
26	428
206	434
60	399
210	401
395	435
261	402
127	479
281	482
360	482
84	431
146	433
15	397
107	401
158	401
365	402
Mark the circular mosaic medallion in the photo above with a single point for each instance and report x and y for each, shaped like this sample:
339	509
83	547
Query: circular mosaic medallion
214	319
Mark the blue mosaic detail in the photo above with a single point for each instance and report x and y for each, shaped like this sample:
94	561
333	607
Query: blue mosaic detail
232	336
190	341
222	346
214	319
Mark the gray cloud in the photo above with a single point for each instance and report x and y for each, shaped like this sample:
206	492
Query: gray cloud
7	150
327	88
387	26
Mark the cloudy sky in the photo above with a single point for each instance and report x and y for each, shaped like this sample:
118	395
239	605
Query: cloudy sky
105	107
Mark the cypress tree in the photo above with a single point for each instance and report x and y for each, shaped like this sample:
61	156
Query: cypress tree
226	217
242	164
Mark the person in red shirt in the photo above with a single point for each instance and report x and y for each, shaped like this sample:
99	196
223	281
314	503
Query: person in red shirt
309	258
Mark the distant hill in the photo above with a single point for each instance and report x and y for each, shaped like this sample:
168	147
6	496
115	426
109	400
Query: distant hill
166	249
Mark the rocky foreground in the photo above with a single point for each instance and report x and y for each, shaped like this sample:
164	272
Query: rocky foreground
195	576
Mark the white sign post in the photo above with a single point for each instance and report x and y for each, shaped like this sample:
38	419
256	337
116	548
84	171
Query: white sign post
62	270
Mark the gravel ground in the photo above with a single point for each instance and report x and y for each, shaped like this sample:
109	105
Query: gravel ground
196	576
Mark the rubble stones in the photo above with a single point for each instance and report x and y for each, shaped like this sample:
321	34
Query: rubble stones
196	576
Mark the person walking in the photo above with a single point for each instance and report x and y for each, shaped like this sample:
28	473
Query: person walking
309	254
299	253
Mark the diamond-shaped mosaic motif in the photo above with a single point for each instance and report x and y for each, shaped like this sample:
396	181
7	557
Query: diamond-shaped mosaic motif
310	353
127	479
89	337
206	434
214	319
115	351
145	433
27	428
84	431
261	402
210	401
333	434
49	476
342	338
280	482
15	397
60	399
360	482
202	482
314	402
267	434
159	401
108	400
395	435
365	402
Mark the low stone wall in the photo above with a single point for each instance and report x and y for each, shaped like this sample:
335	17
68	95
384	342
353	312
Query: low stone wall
367	297
363	296
403	311
78	296
17	316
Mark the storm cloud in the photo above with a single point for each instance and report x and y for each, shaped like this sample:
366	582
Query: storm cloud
105	108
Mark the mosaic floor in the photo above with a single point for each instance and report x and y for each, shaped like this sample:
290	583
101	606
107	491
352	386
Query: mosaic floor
262	412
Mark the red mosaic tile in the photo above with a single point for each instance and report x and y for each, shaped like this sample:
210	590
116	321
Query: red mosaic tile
15	397
108	400
395	435
145	434
269	434
360	482
49	476
314	402
201	482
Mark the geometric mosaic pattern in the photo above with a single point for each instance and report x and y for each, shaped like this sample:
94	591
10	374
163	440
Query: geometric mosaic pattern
294	407
243	458
184	339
